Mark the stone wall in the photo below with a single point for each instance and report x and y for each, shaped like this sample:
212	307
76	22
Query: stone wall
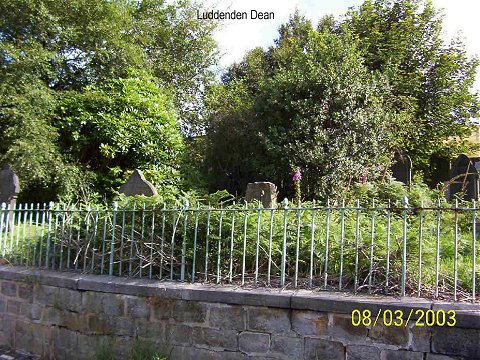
68	316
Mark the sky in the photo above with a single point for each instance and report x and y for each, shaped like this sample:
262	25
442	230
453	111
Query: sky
236	37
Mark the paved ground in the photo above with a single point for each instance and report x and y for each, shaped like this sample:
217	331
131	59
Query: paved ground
7	354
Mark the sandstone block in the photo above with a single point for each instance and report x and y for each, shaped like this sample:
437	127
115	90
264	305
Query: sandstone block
162	309
31	311
189	311
250	342
274	321
9	288
341	328
323	349
64	340
215	339
178	334
456	341
291	347
137	307
73	321
226	316
25	292
46	295
124	326
52	316
188	353
100	324
439	357
360	352
14	307
309	322
420	338
390	335
70	300
401	355
153	331
103	303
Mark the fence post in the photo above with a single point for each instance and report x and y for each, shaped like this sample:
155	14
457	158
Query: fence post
312	244
232	234
342	241
327	238
2	216
184	242
455	258
219	245
284	246
49	219
404	247
257	248
112	242
357	239
195	244
437	265
372	244
474	250
152	242
420	244
244	242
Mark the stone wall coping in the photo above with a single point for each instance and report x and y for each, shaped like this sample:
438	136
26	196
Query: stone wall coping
336	302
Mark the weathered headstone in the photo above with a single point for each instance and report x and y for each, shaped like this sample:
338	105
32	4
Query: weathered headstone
464	177
402	168
138	185
266	192
9	189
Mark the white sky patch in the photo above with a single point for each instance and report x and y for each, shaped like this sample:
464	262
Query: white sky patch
236	37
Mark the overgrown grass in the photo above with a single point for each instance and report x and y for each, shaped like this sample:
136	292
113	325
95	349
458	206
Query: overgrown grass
206	244
140	350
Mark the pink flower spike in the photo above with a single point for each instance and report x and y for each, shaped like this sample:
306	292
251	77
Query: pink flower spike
297	176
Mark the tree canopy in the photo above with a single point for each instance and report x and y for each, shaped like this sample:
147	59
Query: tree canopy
340	99
307	102
430	78
91	89
70	106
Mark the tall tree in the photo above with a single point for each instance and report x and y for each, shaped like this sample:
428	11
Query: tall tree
60	49
431	79
307	102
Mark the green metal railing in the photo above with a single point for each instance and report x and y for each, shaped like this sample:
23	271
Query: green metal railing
400	250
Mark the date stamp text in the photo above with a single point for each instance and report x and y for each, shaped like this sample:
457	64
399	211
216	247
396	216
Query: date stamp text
388	317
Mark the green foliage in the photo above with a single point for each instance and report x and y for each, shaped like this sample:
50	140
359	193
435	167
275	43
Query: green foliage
121	125
144	350
140	350
430	79
308	101
57	54
394	193
30	143
340	99
148	239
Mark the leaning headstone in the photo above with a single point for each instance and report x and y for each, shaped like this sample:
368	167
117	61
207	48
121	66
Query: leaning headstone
465	177
138	185
266	192
9	189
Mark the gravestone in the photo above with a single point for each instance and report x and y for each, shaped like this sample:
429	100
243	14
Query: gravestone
9	189
138	185
402	168
266	192
464	177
